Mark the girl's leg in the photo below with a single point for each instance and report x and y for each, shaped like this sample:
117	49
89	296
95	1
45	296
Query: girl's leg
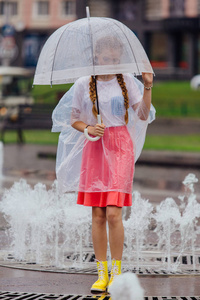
116	231
116	240
99	237
99	233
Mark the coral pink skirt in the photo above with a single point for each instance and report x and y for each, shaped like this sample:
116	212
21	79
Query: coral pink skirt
107	170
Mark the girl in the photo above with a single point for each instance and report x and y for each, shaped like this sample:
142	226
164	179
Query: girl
107	165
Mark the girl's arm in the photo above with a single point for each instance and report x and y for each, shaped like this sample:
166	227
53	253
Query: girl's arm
143	107
97	130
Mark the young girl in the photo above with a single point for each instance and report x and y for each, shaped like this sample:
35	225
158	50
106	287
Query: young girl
106	166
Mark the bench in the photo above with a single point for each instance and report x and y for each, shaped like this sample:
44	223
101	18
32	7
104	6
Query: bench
35	116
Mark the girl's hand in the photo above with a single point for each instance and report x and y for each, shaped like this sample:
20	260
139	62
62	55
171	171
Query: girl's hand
97	130
147	79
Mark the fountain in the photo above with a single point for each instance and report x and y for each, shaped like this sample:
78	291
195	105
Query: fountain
51	230
189	227
43	224
167	217
136	227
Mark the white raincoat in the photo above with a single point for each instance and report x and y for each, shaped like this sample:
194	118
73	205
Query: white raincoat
76	105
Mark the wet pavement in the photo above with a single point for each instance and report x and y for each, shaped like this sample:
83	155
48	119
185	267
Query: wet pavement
47	282
154	181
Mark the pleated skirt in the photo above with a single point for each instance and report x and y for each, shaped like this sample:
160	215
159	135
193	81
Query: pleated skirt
107	170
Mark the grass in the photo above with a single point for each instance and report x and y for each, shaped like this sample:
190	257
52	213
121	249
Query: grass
189	143
47	94
170	98
40	137
176	99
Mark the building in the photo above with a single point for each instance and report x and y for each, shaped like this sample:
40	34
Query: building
26	24
170	32
168	29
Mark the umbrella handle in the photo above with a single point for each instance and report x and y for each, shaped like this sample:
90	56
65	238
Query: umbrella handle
96	138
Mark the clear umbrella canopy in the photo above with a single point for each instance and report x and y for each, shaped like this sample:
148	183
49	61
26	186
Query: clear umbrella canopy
90	46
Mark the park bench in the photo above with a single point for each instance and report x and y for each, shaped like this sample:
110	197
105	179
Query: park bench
35	116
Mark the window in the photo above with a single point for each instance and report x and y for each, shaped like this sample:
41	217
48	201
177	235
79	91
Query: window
158	50
9	8
177	8
42	8
127	10
153	10
68	8
182	51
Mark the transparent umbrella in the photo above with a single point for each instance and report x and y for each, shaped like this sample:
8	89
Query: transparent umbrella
72	52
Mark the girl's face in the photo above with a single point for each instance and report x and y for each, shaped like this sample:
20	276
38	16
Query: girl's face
108	57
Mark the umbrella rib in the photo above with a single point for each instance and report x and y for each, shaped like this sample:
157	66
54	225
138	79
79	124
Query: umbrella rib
91	41
56	51
92	50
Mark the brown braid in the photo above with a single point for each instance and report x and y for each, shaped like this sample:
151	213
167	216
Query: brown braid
122	84
93	95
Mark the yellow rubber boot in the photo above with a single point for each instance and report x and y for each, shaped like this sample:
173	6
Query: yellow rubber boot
101	284
115	271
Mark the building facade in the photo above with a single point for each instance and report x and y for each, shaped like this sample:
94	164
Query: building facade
26	24
168	29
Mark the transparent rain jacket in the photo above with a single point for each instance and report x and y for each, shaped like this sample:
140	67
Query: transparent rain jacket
76	105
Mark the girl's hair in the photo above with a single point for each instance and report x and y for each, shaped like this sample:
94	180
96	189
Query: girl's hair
92	93
122	84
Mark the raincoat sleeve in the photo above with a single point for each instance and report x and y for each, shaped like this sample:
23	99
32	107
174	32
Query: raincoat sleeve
139	116
70	144
76	104
62	113
68	109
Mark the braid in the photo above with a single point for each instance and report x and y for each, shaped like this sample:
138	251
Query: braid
122	84
93	95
